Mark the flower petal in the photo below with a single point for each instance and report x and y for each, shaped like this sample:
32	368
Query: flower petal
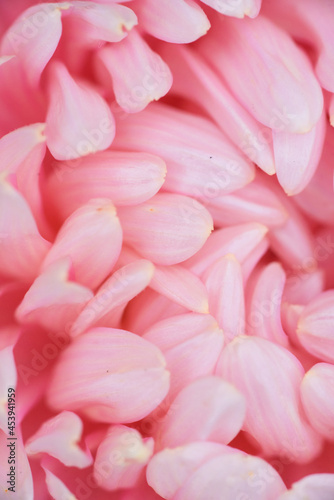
313	487
250	8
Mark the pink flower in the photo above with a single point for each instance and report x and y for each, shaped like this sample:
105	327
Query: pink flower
166	268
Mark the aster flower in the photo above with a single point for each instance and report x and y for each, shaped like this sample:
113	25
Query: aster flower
166	268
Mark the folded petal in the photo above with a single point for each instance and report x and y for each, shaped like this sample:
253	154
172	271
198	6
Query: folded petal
138	74
94	225
180	21
297	156
313	487
202	162
34	37
105	386
121	458
181	286
22	248
224	283
79	121
117	291
266	70
167	229
191	344
263	372
250	8
53	300
59	437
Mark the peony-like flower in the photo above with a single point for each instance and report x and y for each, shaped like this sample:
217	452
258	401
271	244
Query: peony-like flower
166	268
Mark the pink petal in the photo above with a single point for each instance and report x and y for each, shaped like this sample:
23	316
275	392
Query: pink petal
331	111
263	372
167	229
226	295
312	487
191	344
95	21
180	21
92	384
56	487
121	457
23	482
94	225
125	178
240	9
254	258
240	240
169	469
79	121
282	91
264	304
34	37
59	437
242	474
53	301
219	409
317	394
139	75
8	378
315	327
302	287
17	224
297	156
202	161
181	286
117	291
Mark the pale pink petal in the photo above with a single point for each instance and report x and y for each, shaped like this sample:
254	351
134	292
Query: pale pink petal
138	74
121	457
264	304
4	59
315	327
263	372
240	240
125	178
303	286
8	379
202	162
240	479
94	225
17	224
219	409
59	438
297	156
312	487
180	21
117	291
79	121
181	286
23	481
290	317
253	258
317	394
191	344
95	21
270	75
22	146
56	487
226	295
167	229
240	9
34	37
53	300
105	386
169	469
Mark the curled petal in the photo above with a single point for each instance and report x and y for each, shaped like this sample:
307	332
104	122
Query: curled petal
186	20
94	225
53	301
167	229
226	295
34	37
105	386
181	286
250	8
79	121
219	409
121	458
263	371
56	487
17	225
126	178
312	487
59	438
139	75
117	291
